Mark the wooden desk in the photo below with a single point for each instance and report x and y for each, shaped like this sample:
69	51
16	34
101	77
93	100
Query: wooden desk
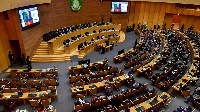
175	87
74	45
81	67
98	85
57	42
25	96
43	71
146	104
88	49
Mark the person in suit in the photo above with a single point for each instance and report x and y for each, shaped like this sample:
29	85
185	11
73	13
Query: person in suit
22	59
11	57
154	26
138	25
182	27
158	27
133	26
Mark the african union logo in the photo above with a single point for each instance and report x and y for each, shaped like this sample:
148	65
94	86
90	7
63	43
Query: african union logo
75	5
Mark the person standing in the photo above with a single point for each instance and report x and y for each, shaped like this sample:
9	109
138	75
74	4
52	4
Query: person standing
22	59
28	62
11	57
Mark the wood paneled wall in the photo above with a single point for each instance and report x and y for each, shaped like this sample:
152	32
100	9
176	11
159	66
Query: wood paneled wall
58	14
4	45
11	4
159	13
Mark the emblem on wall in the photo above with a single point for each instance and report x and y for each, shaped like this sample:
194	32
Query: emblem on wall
75	5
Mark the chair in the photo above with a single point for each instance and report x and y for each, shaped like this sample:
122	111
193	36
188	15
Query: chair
46	82
51	88
13	84
97	80
20	83
34	103
86	106
6	90
142	99
128	105
37	75
93	91
104	101
137	101
25	90
50	76
140	89
133	92
29	83
53	82
185	93
43	88
3	83
13	74
98	66
120	97
79	96
14	90
37	83
79	77
86	71
117	85
78	107
46	102
121	107
73	79
111	110
145	86
33	90
97	103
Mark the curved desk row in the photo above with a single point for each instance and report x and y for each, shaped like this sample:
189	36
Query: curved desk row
153	102
192	46
98	85
57	42
88	49
74	45
26	96
185	80
79	68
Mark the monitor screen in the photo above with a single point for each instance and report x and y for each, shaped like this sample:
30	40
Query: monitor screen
119	7
28	16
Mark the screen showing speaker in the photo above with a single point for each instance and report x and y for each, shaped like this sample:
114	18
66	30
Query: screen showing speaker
119	7
29	16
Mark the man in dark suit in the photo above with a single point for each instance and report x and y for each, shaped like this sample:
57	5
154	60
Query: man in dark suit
154	26
22	59
133	26
138	25
11	57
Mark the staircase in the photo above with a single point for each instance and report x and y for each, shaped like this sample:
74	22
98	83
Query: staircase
51	58
122	37
60	50
42	49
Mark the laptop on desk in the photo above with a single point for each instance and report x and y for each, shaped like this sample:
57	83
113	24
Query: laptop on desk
32	95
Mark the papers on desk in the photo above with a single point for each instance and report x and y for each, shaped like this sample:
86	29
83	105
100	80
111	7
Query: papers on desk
8	96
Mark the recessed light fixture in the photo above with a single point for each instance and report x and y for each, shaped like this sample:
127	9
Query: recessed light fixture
177	14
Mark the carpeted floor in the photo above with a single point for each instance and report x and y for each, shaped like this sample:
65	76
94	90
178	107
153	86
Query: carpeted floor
64	102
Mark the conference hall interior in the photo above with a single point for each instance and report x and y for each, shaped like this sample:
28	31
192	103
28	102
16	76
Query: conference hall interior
99	56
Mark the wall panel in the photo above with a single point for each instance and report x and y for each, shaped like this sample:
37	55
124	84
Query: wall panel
169	8
196	23
146	12
157	13
192	12
162	14
174	10
151	15
141	14
137	12
190	21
